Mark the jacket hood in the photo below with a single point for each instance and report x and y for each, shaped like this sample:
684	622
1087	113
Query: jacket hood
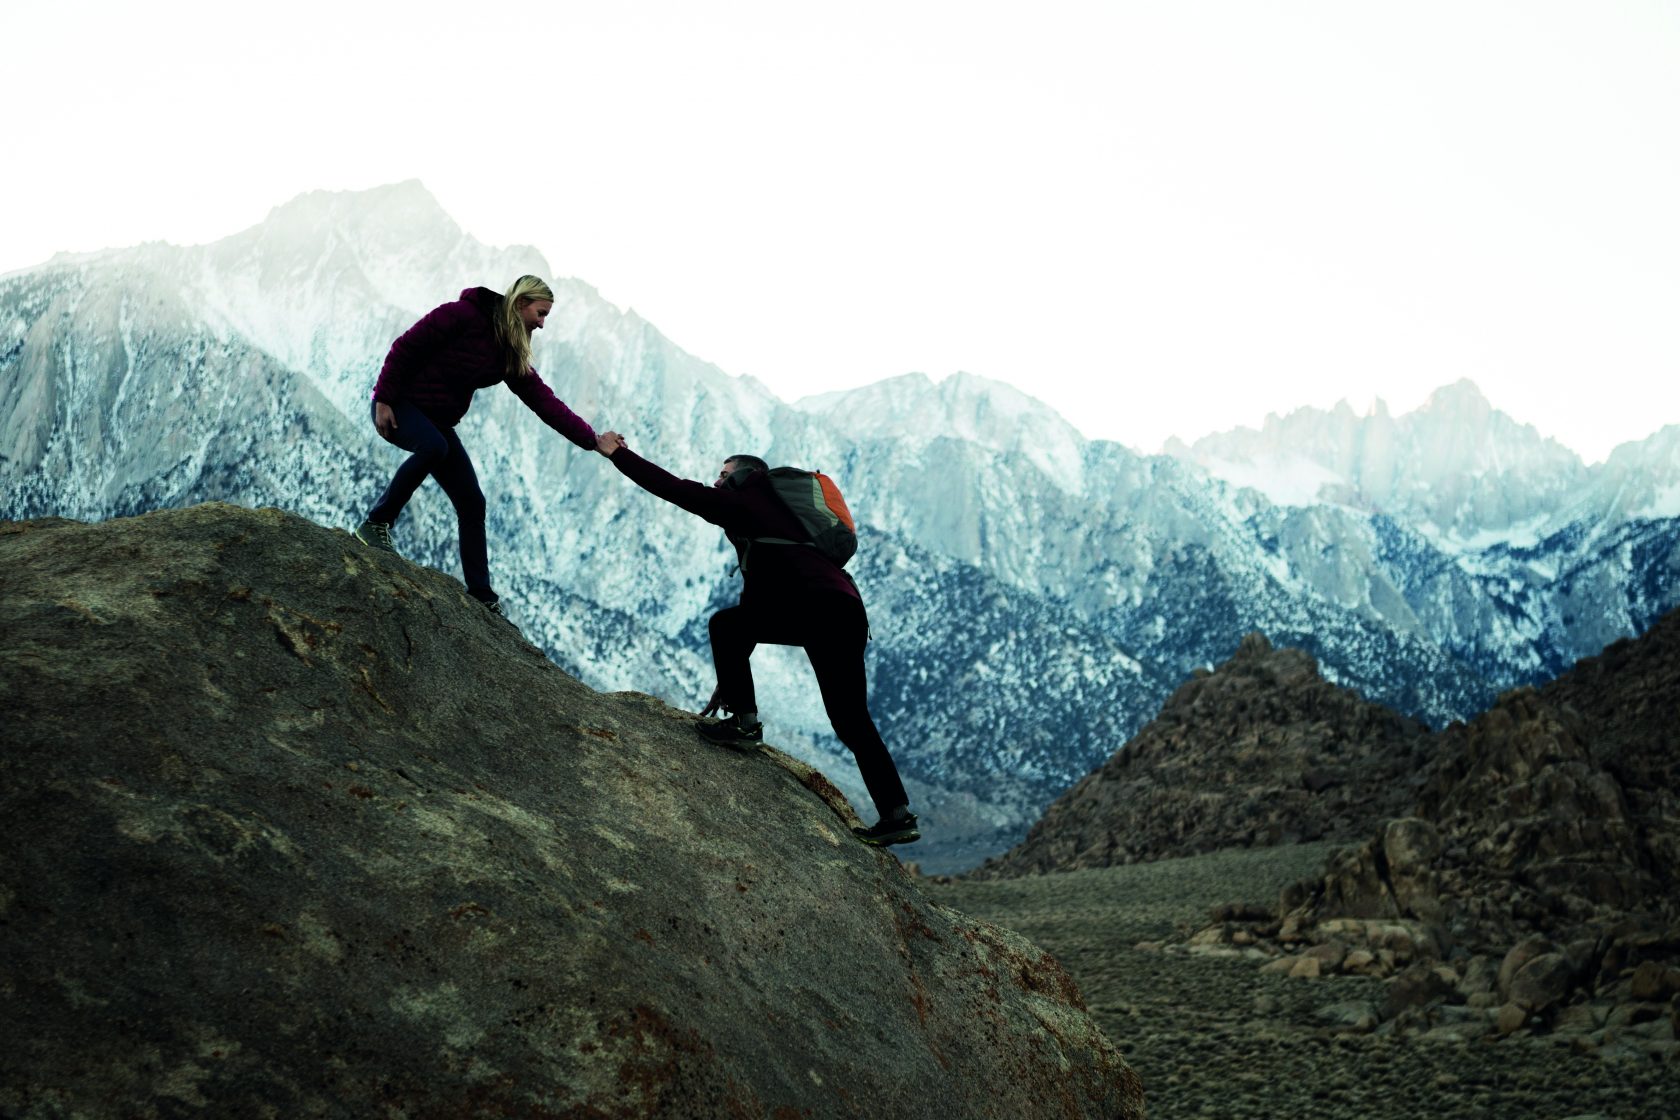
484	299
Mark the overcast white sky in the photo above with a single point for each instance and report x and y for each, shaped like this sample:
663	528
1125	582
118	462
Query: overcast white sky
1162	218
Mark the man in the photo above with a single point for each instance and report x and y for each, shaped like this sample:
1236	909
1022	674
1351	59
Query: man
792	595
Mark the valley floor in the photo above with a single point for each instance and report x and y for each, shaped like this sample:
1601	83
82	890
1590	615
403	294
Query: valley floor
1216	1037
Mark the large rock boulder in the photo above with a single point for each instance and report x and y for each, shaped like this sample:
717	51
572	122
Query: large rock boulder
290	827
1261	751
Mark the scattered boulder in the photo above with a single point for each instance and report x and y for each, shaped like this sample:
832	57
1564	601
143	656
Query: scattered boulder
1579	1018
1418	986
1480	975
1358	1017
1512	1018
1410	847
1654	982
1542	983
1521	954
1329	955
1241	912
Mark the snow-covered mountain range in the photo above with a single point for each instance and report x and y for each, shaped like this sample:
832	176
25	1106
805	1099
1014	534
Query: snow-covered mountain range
1035	595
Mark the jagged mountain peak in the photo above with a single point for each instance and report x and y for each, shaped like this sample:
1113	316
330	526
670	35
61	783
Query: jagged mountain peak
1324	431
385	244
915	410
1458	410
329	278
1456	467
397	210
406	204
904	388
1342	414
1460	417
1662	445
1639	481
961	395
1463	395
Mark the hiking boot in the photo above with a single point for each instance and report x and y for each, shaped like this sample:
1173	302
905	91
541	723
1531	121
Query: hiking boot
376	534
730	731
494	606
890	830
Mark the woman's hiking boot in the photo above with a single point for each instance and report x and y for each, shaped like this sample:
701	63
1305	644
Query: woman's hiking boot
898	829
729	731
494	606
376	534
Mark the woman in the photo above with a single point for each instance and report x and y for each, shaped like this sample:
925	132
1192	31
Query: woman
426	387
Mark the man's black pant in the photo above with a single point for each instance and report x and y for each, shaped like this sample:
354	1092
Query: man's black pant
833	630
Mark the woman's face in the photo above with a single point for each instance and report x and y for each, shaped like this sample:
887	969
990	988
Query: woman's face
533	313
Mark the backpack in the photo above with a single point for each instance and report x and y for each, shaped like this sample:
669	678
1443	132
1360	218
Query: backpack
815	500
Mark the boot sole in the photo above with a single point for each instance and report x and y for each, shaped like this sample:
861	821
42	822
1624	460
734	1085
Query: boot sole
738	744
890	839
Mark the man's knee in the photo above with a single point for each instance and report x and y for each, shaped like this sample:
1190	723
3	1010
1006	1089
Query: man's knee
860	736
725	623
470	503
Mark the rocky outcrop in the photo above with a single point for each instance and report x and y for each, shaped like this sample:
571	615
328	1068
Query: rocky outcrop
1536	877
289	827
1261	751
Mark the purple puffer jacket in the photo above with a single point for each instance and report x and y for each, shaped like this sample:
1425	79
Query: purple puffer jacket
439	363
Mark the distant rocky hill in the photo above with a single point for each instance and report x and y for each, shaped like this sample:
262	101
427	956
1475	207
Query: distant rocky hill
1556	812
289	827
1261	751
1529	879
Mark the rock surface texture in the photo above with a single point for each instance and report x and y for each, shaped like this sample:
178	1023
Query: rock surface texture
289	827
1262	751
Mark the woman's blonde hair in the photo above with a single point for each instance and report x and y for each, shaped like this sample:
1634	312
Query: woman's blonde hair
510	328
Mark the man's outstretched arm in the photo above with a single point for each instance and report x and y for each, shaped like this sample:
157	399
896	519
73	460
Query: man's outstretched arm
696	497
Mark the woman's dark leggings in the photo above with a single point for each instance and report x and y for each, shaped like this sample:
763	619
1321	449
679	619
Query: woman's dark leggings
833	630
438	452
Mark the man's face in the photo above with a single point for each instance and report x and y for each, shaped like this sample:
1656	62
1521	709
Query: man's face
723	475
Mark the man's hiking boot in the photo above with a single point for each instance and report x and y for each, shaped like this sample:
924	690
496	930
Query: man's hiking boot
729	731
376	534
890	830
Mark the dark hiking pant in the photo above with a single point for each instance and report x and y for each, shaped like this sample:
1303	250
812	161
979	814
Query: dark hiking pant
438	452
832	629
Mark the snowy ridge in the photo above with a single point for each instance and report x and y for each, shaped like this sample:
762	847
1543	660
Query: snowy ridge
1456	467
916	411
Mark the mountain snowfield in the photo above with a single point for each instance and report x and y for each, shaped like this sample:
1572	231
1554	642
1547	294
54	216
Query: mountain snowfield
1034	595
